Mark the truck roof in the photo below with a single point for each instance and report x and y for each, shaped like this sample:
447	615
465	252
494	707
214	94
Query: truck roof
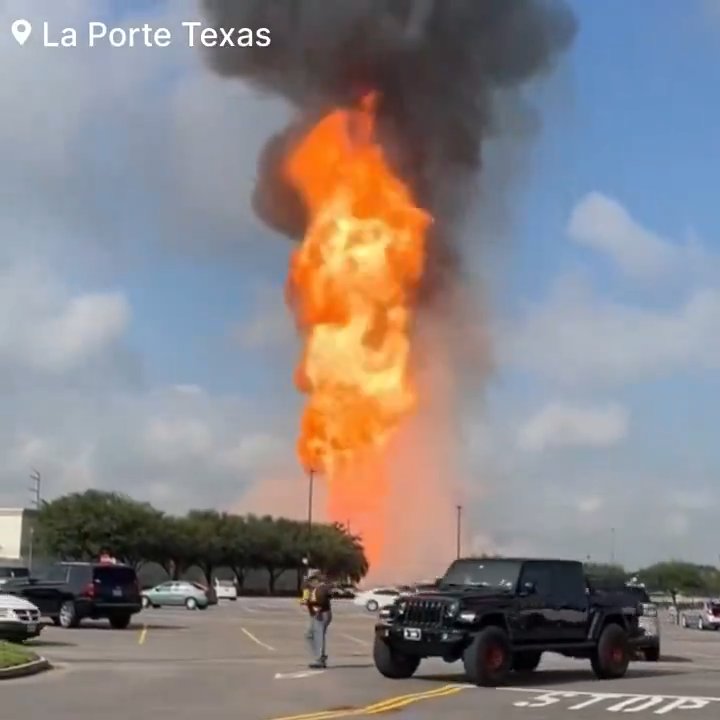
517	560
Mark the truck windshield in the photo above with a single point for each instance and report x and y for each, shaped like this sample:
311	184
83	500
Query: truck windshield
493	574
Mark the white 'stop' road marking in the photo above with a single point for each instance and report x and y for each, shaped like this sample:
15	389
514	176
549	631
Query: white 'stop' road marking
622	702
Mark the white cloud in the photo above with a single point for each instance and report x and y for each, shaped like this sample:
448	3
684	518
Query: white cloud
578	338
590	505
44	326
602	224
562	425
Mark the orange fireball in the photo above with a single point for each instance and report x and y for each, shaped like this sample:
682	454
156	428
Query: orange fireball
351	285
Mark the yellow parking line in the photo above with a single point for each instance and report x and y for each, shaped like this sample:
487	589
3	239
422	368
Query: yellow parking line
387	705
257	641
143	635
413	700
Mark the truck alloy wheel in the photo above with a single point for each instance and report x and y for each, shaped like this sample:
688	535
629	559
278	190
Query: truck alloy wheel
372	605
488	659
612	656
68	615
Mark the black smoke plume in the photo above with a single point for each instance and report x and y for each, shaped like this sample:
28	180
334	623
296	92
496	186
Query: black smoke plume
437	64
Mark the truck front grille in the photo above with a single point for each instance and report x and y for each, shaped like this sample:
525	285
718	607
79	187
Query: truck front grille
28	616
423	612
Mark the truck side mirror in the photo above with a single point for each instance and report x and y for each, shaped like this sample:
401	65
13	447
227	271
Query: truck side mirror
529	588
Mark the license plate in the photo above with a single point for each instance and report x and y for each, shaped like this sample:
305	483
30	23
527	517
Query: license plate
117	592
31	627
412	634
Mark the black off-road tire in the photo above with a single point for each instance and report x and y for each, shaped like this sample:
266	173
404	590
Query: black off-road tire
526	662
611	658
488	659
121	621
393	664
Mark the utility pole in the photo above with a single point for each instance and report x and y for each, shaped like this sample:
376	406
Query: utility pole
458	528
612	546
36	480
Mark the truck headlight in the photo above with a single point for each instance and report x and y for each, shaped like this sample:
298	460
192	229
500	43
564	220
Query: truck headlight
8	614
453	609
467	616
385	613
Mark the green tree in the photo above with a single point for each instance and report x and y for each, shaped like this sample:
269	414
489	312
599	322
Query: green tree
237	543
173	546
206	534
340	554
277	546
674	578
80	526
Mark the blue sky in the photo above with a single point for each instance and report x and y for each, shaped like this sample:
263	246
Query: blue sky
128	178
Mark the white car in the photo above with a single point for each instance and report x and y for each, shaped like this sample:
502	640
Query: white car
19	619
377	598
225	589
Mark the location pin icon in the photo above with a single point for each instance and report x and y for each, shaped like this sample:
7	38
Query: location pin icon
21	30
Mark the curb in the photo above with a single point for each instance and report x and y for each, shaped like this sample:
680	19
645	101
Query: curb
26	670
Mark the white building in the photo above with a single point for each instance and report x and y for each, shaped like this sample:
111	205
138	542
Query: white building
16	530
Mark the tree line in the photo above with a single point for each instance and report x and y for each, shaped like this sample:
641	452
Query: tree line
81	526
672	578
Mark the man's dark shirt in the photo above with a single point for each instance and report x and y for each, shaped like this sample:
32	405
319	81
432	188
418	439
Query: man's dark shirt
319	599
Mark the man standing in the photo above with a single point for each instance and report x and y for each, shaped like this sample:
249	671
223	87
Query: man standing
320	609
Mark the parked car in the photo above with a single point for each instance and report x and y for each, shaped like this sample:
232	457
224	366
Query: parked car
73	591
10	572
225	590
377	598
705	615
209	590
343	592
176	593
19	619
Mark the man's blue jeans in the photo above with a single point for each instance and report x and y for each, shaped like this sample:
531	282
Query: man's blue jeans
316	636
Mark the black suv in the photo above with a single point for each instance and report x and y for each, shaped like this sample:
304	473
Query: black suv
499	615
72	591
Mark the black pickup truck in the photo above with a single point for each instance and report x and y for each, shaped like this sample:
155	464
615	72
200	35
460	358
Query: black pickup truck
501	615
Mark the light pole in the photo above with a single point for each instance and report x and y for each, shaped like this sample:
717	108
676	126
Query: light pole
612	546
311	482
458	529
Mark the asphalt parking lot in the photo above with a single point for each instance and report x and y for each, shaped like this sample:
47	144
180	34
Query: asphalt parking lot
247	661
